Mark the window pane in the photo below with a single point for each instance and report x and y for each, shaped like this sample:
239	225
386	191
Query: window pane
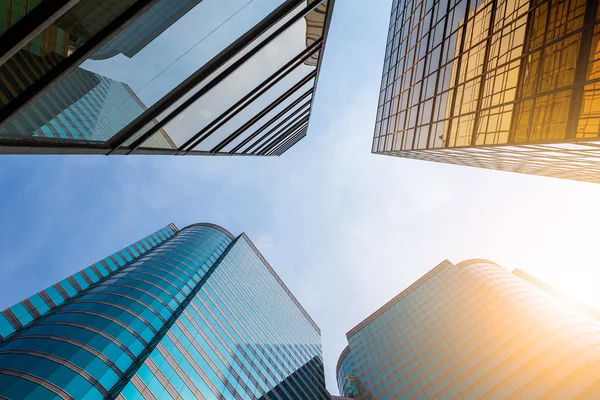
55	43
11	11
240	83
133	70
293	106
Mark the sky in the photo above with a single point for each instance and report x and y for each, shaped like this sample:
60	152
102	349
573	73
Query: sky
345	229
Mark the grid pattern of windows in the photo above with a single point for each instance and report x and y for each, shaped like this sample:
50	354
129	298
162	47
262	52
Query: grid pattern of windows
242	337
26	311
87	347
473	330
481	73
200	315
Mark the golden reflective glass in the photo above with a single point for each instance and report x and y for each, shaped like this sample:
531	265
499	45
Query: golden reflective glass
530	74
589	118
522	124
549	118
498	72
593	71
566	16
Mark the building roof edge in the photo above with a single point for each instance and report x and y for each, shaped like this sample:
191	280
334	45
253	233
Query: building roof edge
396	298
477	261
215	226
283	285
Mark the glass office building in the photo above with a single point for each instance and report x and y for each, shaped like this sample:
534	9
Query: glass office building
210	77
191	313
502	84
473	330
147	27
84	106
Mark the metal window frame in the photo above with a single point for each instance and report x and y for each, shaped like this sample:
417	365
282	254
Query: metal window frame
283	135
265	111
37	20
66	66
249	98
276	141
205	71
300	120
276	117
31	25
289	143
294	117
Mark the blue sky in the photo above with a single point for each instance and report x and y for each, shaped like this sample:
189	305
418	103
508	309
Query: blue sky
345	229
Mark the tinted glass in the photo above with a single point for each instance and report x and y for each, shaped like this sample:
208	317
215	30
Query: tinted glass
240	83
134	69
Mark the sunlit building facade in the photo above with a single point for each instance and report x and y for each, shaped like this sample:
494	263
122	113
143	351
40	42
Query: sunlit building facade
473	330
502	84
230	78
191	313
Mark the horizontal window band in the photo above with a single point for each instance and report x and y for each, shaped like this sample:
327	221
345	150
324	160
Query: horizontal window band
42	382
65	363
105	335
82	345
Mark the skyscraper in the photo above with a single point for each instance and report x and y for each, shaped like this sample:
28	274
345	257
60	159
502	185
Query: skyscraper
210	78
501	84
83	106
473	331
196	313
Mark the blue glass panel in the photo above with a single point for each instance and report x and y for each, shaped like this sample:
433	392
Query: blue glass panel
39	304
66	285
5	327
130	392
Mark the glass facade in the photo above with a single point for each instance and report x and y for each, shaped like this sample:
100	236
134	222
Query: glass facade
54	43
195	313
502	84
84	106
145	29
233	77
473	331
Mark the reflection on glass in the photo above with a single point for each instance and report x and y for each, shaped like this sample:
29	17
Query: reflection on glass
11	11
55	43
503	71
138	66
204	111
240	55
190	36
284	124
238	84
83	106
145	29
296	107
589	122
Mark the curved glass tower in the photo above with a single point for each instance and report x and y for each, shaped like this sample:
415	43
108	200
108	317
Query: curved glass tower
473	331
196	313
